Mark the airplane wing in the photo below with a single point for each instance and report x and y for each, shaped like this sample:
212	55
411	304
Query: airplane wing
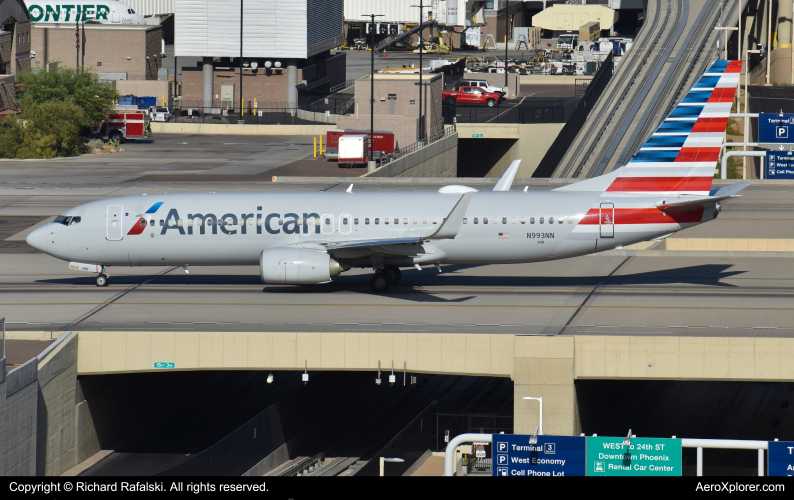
449	229
717	195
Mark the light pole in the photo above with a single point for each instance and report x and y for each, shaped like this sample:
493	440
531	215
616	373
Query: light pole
242	101
540	399
372	91
507	23
383	461
746	124
421	8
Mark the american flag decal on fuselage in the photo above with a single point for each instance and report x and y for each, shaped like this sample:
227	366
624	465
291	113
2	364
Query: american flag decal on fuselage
681	155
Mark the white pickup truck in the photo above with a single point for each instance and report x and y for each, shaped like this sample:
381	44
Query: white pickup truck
483	85
159	113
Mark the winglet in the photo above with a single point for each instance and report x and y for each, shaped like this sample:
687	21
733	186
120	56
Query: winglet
506	180
450	227
349	189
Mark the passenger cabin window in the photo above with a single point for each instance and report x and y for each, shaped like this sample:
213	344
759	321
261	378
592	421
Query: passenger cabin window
355	221
424	220
366	221
327	222
551	220
416	221
405	220
561	220
152	222
504	220
344	220
385	220
435	220
531	220
476	220
523	220
513	220
465	220
396	220
485	220
541	220
377	220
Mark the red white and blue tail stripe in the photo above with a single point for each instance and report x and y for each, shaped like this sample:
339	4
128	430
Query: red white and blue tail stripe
681	155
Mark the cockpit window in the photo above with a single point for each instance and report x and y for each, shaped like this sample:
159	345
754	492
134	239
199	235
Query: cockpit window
67	220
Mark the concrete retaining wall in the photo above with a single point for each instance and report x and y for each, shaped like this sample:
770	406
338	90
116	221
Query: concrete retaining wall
318	117
235	129
57	451
439	159
18	402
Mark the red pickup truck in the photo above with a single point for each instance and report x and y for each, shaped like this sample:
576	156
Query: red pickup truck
471	95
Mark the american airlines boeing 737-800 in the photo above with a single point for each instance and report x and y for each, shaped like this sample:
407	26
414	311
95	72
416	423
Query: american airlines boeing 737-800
304	238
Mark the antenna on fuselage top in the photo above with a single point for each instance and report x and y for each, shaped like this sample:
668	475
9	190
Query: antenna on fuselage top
349	190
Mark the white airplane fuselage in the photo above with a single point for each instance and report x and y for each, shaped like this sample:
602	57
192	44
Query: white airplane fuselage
518	227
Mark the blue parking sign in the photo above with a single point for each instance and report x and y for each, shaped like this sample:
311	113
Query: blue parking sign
781	458
513	455
773	129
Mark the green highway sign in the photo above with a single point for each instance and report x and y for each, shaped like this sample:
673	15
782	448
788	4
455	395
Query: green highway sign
476	135
607	456
161	364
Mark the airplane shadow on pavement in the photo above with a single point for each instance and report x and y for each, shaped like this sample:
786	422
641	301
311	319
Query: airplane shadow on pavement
413	280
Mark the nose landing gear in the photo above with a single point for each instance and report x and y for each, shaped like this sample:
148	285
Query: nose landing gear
102	279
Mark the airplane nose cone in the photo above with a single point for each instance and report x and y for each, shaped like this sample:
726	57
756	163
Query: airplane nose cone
38	238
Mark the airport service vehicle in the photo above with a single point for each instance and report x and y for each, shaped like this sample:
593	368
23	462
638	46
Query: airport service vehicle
471	95
353	150
103	12
567	41
382	141
122	125
159	113
311	237
483	85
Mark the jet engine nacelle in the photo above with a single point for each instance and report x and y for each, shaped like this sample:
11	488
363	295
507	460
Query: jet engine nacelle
297	266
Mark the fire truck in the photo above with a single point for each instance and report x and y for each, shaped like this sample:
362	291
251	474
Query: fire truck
122	125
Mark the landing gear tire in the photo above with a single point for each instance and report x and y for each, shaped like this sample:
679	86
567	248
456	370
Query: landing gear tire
102	280
381	282
395	274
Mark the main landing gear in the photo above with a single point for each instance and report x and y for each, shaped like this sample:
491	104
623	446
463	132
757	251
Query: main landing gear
383	279
102	279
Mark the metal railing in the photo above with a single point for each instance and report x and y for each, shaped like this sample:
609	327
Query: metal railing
342	86
458	113
412	148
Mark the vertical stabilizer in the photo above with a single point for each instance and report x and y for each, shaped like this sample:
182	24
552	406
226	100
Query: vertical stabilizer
681	155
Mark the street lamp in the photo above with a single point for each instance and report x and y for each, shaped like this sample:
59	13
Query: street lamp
372	91
746	125
540	400
383	461
421	8
242	99
627	439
